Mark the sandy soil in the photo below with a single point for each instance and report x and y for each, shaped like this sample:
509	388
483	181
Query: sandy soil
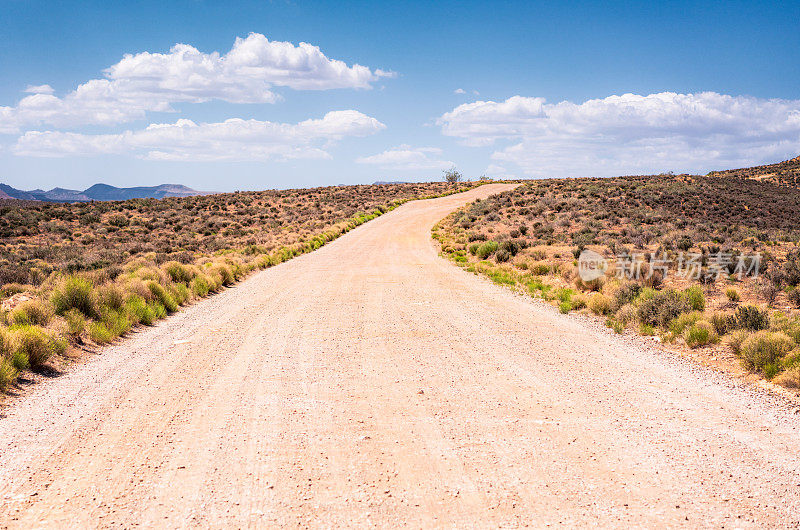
373	383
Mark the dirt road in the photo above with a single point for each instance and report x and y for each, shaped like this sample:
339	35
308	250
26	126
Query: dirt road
373	383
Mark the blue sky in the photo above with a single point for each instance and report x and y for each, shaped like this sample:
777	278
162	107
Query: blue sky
546	89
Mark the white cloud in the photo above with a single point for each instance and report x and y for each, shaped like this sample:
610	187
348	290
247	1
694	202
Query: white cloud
153	81
405	157
459	91
39	89
233	139
630	133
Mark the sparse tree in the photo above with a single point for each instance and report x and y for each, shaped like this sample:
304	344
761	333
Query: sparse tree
453	176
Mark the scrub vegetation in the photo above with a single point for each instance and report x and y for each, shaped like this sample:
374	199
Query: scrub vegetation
530	238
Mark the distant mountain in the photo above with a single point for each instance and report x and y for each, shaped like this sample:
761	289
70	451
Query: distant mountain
99	192
384	182
786	173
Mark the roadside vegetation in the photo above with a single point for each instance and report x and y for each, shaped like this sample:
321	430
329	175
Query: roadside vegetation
87	273
530	239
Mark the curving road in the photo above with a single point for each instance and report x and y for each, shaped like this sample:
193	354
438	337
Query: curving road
373	383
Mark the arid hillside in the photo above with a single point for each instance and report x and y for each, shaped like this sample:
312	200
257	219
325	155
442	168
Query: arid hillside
703	262
786	173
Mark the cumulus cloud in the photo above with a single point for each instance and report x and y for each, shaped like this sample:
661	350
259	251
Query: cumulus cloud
233	139
39	89
459	91
629	133
147	81
405	157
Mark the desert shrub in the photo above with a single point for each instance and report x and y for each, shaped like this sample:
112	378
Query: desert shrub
647	330
752	318
7	372
786	324
579	302
486	249
111	295
695	298
794	296
159	311
32	312
591	285
5	343
178	272
181	293
763	351
76	323
36	344
663	307
627	314
138	312
701	333
160	294
736	339
473	248
601	304
616	325
502	256
75	293
626	293
683	321
200	287
116	322
225	273
789	378
732	294
99	333
540	269
723	322
565	307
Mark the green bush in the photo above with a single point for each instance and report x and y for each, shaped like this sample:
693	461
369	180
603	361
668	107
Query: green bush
137	310
36	344
473	248
32	313
159	311
695	298
763	351
723	322
7	373
683	321
502	256
178	272
76	323
111	296
163	296
701	333
486	249
601	304
565	307
6	346
200	287
99	333
116	322
662	308
736	339
616	325
752	318
75	293
732	294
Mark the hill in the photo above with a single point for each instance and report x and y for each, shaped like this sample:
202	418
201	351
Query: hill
786	173
99	192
